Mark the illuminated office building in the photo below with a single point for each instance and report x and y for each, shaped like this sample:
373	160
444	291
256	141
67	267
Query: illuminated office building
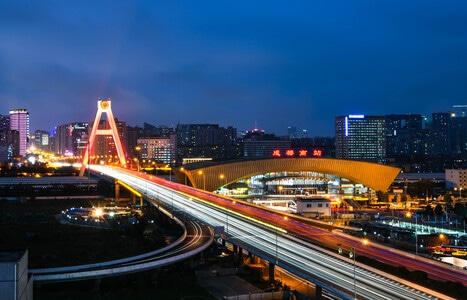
206	141
19	120
405	135
4	122
70	138
42	140
158	149
456	179
361	137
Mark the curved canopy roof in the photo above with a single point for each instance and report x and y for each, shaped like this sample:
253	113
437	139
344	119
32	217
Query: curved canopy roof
211	176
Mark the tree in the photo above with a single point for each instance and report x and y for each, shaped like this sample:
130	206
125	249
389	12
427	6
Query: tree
425	187
447	198
429	211
382	196
439	210
460	209
404	199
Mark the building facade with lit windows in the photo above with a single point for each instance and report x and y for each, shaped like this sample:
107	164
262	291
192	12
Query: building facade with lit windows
405	135
456	179
9	145
42	140
19	121
360	137
158	149
313	206
206	141
5	122
70	138
265	148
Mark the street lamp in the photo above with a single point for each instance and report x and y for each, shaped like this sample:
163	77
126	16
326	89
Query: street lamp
222	177
138	149
277	233
409	214
441	238
184	173
353	254
137	163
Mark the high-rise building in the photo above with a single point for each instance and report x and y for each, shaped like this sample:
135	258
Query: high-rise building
459	135
292	132
440	137
361	137
456	178
19	120
42	140
4	122
71	138
404	134
206	140
9	145
257	143
158	149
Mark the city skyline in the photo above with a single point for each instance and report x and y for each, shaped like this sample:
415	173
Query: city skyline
269	65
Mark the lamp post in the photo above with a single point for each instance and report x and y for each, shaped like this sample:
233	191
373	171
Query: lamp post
409	215
441	238
353	254
137	164
138	149
222	177
277	233
184	173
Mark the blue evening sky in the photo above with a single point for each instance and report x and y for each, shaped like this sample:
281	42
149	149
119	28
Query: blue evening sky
234	63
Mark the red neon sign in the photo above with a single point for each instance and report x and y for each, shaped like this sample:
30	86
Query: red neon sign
293	153
317	153
276	153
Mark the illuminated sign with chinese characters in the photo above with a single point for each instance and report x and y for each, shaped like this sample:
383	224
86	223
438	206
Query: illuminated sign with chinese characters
297	153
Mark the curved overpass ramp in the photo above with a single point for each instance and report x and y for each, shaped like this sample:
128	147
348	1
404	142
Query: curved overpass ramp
196	238
212	176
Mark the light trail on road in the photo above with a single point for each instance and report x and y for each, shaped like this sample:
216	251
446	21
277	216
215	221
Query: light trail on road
253	229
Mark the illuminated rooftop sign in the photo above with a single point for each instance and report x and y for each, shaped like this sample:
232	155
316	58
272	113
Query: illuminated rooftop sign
297	153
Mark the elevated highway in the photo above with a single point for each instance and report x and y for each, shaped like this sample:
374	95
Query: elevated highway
196	237
279	241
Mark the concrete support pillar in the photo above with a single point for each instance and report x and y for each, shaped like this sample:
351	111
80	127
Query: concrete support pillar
271	273
235	249
117	191
319	292
240	256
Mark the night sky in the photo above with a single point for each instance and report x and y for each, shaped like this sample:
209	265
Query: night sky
233	63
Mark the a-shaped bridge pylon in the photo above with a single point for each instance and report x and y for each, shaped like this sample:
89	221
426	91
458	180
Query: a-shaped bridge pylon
103	106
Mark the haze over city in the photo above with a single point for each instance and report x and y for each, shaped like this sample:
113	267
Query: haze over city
273	64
